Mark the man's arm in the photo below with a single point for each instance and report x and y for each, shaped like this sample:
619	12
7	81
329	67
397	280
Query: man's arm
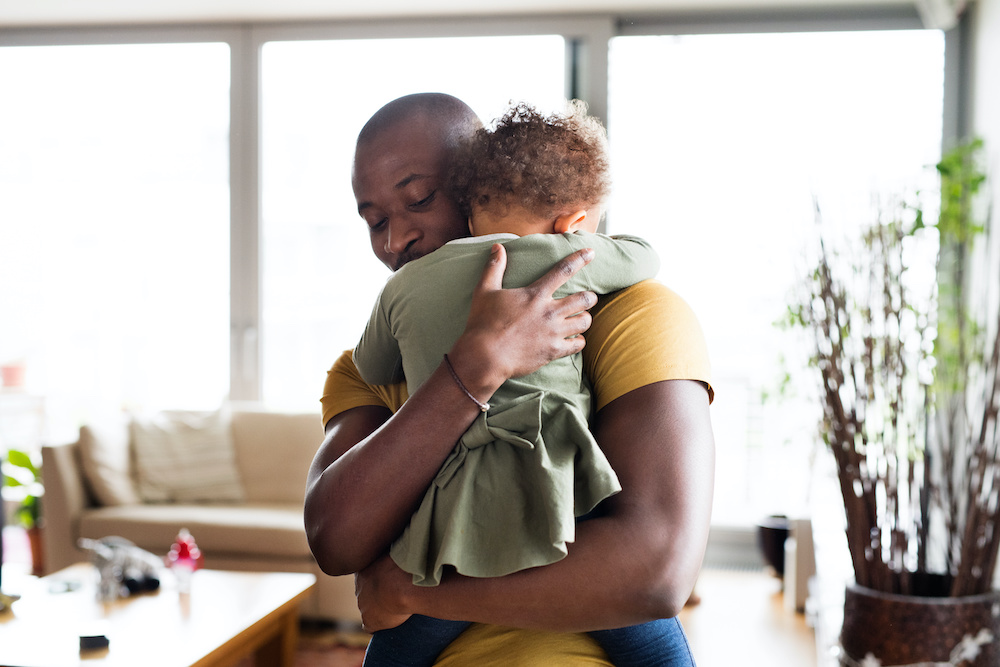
373	468
637	562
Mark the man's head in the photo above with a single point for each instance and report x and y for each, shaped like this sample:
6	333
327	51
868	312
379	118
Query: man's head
402	157
551	166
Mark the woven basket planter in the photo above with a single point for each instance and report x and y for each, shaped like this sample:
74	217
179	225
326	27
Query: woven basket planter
912	630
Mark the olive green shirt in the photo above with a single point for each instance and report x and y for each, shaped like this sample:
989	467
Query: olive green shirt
508	496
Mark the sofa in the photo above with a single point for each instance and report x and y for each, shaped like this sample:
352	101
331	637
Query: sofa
235	478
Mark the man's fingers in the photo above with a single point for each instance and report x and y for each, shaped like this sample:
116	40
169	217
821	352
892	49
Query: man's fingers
580	302
578	324
564	270
574	345
492	278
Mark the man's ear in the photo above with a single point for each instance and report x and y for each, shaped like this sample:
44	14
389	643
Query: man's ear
569	222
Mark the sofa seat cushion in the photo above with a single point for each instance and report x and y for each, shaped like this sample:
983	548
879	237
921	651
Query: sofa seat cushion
261	530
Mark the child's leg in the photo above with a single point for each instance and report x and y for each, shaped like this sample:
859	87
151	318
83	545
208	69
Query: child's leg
415	643
659	643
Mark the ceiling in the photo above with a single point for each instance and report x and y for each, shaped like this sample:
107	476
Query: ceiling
24	13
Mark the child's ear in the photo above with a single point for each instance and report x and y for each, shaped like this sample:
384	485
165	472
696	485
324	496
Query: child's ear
471	230
569	222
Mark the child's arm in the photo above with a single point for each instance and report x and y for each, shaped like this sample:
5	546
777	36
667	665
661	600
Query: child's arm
377	354
619	261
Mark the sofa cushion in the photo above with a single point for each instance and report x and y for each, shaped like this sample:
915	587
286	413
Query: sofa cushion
185	457
273	453
263	530
107	463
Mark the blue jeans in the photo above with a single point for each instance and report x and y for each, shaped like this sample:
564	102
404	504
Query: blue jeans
660	643
418	641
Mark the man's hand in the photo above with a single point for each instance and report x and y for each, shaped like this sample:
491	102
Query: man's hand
513	332
376	587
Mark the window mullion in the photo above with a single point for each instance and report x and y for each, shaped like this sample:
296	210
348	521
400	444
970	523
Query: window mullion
245	228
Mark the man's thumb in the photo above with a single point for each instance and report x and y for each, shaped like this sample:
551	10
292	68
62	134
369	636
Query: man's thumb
493	273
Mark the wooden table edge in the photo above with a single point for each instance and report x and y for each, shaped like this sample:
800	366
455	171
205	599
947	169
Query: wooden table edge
280	622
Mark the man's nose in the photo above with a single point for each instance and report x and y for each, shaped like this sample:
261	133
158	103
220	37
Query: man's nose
402	232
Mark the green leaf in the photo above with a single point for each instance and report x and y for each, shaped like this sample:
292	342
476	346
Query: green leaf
12	481
21	459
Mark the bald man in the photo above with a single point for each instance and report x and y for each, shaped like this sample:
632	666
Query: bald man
637	560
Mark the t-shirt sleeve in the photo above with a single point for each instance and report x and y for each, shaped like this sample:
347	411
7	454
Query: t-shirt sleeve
377	356
642	335
344	389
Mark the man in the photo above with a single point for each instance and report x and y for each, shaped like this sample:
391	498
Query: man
638	559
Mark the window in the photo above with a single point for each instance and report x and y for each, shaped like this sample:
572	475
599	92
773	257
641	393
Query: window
320	278
114	226
722	143
115	240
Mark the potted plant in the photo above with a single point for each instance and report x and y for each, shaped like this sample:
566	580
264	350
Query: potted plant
909	412
23	473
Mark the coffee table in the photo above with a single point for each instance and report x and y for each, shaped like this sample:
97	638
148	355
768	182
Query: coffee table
225	617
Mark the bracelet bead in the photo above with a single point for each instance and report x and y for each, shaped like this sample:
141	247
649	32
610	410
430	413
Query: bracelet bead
451	369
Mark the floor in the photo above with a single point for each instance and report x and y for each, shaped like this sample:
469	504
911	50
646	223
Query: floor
742	620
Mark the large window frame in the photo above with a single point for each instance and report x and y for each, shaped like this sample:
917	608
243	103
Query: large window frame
587	38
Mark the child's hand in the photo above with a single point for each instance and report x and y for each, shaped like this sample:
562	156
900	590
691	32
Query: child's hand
513	332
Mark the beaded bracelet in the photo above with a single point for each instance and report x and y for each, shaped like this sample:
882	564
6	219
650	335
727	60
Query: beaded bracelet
451	369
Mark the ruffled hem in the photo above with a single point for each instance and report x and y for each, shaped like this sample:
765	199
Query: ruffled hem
507	497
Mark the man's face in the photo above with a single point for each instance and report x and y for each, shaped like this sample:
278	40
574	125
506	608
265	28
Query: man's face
399	186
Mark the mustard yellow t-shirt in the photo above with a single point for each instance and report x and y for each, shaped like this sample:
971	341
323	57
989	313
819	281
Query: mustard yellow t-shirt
640	335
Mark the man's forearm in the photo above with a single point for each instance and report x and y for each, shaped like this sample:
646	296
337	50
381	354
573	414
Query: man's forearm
578	594
368	475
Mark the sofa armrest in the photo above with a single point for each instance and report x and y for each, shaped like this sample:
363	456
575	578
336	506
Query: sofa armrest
64	501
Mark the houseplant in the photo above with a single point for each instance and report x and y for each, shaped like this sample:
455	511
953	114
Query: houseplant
23	473
909	412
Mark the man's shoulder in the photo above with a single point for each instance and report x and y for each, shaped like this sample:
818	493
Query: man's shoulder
647	295
643	334
646	308
345	389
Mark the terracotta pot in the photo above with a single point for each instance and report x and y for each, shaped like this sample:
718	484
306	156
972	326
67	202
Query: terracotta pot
37	558
909	629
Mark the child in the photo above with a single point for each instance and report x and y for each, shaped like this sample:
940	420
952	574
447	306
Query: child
508	496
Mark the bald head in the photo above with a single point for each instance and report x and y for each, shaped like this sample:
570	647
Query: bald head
450	118
401	162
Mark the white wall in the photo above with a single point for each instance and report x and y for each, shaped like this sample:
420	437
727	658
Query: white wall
986	104
986	95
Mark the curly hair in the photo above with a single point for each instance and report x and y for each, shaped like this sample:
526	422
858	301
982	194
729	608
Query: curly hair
547	164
